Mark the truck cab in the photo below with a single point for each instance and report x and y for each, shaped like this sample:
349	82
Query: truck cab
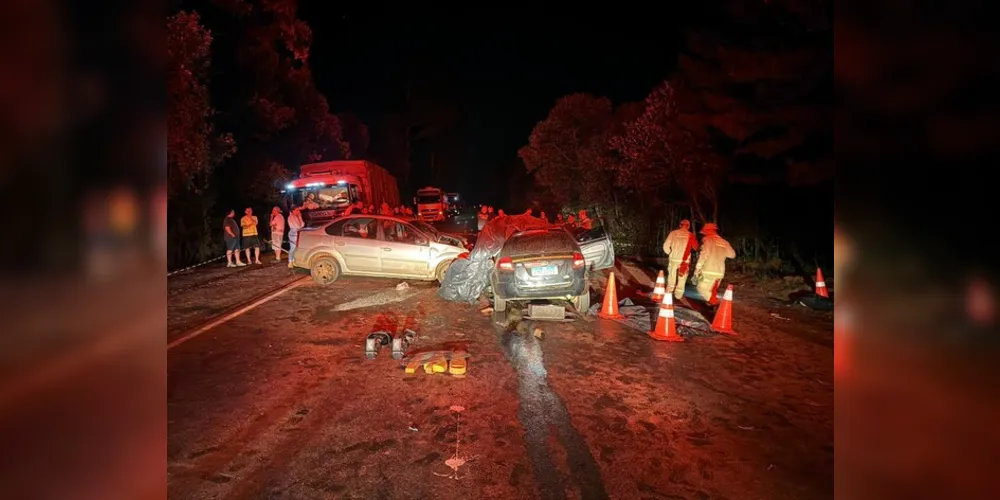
431	204
322	198
325	190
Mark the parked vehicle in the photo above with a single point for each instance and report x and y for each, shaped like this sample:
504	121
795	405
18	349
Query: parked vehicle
326	189
373	245
549	264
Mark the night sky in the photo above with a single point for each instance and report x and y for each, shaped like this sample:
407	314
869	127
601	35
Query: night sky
504	70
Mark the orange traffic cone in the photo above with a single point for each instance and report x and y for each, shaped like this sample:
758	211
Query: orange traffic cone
660	289
666	326
609	310
820	284
723	322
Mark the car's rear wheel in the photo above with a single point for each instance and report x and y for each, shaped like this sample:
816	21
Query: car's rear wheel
582	302
324	270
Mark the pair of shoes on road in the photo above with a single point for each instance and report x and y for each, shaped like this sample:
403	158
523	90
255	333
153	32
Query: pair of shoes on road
290	265
259	263
240	264
230	265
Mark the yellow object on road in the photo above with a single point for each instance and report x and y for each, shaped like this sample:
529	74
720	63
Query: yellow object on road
436	365
457	367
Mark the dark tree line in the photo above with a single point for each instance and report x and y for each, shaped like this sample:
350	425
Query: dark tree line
745	111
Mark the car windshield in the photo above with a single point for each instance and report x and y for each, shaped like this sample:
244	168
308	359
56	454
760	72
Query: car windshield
324	197
427	228
428	199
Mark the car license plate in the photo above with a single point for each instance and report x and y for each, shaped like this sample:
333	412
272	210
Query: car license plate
544	271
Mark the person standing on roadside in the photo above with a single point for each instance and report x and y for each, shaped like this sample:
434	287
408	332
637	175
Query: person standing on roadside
250	238
277	232
483	217
585	221
355	208
231	235
295	223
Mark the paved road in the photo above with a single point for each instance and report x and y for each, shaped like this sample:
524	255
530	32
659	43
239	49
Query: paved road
279	402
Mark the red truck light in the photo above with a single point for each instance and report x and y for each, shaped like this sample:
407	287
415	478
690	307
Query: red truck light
578	260
505	264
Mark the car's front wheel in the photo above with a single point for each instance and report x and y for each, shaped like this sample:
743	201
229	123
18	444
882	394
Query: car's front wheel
325	270
441	271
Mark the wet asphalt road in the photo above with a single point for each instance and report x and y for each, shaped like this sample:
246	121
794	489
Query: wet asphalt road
279	402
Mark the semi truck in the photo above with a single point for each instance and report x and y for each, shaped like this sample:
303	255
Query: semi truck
432	203
325	190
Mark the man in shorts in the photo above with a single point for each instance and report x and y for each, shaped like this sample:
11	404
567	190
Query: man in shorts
231	235
250	238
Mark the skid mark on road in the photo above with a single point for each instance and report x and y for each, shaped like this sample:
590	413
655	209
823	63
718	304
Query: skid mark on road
541	410
377	299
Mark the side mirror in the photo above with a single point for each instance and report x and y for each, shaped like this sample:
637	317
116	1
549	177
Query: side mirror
421	242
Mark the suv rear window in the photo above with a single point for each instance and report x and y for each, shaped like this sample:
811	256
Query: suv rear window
537	241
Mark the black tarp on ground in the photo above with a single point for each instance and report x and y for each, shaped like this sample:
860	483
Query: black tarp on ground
467	278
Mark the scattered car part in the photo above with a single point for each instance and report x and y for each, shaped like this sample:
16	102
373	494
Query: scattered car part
401	341
546	312
374	342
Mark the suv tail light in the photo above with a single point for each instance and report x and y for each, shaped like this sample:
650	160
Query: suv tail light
578	261
505	264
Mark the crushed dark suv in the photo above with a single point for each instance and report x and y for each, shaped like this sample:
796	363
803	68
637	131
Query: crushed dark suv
549	264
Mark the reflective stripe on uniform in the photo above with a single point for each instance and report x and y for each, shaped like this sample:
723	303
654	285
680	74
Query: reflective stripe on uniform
728	295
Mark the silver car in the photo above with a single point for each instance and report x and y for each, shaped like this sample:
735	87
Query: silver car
372	245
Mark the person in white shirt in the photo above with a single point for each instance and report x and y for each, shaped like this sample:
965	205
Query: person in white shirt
277	232
295	223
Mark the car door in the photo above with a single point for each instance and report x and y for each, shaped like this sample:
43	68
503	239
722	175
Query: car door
405	250
596	246
356	239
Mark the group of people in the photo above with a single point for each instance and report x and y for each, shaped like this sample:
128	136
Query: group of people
580	221
245	237
385	209
711	266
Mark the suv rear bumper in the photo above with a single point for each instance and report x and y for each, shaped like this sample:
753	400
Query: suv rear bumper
509	289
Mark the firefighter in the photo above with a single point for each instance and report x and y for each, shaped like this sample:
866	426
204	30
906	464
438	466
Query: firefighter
678	247
711	266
